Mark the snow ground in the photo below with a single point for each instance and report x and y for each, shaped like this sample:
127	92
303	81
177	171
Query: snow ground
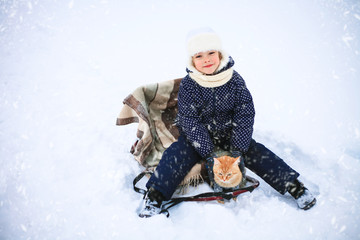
66	66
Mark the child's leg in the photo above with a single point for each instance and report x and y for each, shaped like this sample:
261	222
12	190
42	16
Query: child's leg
269	167
175	163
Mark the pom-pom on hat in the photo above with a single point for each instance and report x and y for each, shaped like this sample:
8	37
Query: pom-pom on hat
202	40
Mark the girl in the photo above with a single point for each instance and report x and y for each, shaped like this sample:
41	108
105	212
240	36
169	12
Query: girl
215	108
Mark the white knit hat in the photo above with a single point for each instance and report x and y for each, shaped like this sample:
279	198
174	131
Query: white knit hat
202	40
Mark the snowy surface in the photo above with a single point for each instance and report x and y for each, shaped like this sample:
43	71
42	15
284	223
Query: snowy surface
66	66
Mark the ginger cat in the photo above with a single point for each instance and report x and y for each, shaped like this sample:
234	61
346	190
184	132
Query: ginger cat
227	172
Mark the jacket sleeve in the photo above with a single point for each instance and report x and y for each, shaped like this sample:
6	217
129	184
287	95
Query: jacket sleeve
243	120
189	120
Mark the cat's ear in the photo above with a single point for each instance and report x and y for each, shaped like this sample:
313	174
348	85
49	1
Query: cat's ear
216	161
237	161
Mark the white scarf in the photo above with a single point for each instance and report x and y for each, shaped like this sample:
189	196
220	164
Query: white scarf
212	80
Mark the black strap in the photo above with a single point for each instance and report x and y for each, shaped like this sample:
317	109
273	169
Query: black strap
208	196
137	179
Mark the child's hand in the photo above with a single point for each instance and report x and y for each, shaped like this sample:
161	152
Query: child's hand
210	158
236	153
209	167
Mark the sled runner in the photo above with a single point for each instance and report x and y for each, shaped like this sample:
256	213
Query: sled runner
249	186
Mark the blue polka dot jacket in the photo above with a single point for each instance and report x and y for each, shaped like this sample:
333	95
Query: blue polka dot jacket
222	115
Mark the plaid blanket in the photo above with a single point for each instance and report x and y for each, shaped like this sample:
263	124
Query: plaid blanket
154	108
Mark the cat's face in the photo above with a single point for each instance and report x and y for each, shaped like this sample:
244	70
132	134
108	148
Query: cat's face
227	172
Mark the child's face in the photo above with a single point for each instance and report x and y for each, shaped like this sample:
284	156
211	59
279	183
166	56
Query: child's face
206	62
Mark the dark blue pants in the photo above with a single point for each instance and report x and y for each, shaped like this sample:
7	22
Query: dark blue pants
181	156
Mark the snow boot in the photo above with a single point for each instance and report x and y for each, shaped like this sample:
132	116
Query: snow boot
303	197
306	200
151	204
